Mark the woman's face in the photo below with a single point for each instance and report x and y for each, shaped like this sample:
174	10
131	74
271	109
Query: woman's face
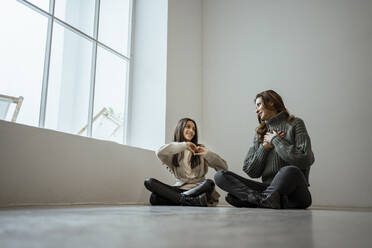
189	131
263	112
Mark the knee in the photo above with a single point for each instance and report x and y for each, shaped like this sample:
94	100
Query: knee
149	182
291	170
209	184
153	198
220	176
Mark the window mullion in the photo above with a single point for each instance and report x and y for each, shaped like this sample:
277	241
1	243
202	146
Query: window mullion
129	76
93	68
48	50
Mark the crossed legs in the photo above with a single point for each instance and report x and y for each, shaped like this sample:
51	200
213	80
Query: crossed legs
163	194
289	183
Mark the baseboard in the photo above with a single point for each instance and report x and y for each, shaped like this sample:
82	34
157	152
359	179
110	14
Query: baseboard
76	204
340	208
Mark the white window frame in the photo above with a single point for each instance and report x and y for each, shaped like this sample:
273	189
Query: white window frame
96	43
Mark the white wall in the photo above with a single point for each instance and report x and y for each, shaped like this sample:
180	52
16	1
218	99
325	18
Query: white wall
146	125
318	56
40	166
185	69
167	70
184	64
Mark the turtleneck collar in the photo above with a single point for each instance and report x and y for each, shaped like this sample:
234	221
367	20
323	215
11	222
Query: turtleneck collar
276	119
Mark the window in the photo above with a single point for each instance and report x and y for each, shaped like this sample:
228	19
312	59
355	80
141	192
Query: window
69	60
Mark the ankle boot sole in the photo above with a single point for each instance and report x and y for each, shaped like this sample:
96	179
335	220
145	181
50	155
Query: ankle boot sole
239	204
272	201
196	201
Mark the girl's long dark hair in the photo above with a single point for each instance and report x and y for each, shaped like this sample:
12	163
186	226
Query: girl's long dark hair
178	137
278	105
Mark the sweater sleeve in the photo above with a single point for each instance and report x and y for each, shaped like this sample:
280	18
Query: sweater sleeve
166	152
299	153
214	161
254	162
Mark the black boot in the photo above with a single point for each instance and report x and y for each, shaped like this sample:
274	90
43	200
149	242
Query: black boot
284	201
265	200
199	201
271	200
236	202
207	186
156	200
163	190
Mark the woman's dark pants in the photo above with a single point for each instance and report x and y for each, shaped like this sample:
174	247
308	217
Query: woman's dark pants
289	182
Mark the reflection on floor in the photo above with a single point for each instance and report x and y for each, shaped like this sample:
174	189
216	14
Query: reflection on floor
176	227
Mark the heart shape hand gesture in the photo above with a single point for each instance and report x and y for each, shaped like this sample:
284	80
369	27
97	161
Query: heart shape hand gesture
196	150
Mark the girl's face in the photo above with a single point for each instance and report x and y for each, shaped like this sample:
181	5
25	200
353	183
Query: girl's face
263	112
189	131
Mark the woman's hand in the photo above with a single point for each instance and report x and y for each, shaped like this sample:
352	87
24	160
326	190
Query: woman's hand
200	150
267	145
269	136
282	134
191	147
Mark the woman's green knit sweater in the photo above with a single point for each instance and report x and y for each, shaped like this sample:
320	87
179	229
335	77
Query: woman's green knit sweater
293	149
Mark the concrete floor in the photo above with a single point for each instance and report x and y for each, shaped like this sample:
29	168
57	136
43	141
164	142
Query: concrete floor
146	226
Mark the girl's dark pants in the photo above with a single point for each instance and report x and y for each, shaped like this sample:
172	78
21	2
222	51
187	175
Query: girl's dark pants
164	194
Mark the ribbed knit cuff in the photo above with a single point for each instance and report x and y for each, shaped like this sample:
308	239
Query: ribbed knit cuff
275	140
255	167
261	151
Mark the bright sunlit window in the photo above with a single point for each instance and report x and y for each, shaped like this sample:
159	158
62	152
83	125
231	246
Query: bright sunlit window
69	62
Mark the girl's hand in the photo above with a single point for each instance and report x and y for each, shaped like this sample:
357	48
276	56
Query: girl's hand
191	147
201	151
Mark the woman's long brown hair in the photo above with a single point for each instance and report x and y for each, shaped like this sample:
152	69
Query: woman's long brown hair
269	96
178	137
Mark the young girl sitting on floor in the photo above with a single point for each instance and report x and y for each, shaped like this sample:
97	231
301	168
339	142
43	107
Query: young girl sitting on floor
188	161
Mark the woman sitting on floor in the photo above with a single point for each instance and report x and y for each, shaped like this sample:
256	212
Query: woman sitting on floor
281	155
188	161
